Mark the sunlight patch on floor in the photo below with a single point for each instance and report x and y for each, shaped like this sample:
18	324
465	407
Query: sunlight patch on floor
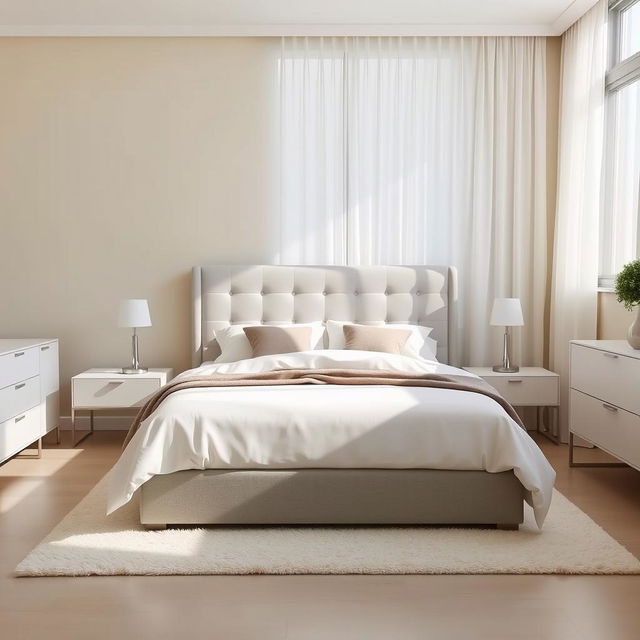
174	542
20	477
51	462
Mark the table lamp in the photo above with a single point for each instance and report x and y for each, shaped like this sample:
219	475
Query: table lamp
506	312
134	314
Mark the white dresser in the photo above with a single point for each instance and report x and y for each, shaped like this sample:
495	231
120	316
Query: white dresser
604	401
29	393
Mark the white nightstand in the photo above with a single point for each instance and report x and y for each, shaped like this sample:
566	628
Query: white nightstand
97	389
530	387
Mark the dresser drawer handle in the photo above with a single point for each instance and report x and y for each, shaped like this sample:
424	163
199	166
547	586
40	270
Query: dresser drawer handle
19	386
17	355
22	417
609	407
44	348
515	380
609	355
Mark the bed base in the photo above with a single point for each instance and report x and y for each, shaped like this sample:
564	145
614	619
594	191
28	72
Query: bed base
332	497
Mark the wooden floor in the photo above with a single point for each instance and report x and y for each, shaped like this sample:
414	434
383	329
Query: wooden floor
36	494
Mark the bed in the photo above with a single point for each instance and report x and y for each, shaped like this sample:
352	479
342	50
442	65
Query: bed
329	455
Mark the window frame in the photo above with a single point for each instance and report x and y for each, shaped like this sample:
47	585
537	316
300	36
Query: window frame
620	73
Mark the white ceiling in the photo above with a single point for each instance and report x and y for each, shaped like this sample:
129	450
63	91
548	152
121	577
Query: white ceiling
289	17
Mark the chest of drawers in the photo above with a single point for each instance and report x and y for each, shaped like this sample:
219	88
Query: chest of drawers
604	403
29	392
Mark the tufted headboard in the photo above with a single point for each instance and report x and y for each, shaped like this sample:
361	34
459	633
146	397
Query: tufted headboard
232	294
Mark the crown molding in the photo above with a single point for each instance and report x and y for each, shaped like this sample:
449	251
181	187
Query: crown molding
573	12
277	30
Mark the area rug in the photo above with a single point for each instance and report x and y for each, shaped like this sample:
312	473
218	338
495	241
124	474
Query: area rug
87	542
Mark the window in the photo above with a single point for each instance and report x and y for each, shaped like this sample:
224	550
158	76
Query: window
410	150
422	150
630	31
620	222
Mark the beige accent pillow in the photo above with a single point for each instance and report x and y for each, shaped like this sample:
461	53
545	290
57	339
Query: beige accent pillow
364	338
267	341
235	346
419	345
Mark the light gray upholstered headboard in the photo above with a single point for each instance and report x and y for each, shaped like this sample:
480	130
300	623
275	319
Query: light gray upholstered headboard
232	294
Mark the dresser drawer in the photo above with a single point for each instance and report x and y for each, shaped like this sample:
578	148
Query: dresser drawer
608	376
522	391
19	432
614	430
19	397
19	366
98	393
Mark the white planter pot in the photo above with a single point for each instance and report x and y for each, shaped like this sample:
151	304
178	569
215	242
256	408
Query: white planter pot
633	335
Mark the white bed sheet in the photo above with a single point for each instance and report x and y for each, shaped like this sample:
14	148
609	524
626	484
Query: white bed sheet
332	426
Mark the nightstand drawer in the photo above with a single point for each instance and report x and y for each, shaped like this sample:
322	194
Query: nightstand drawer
614	430
19	432
522	391
19	397
18	366
608	376
99	393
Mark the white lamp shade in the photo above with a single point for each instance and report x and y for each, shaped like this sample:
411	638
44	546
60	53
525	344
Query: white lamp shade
506	312
134	313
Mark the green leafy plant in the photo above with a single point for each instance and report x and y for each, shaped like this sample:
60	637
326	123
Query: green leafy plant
628	285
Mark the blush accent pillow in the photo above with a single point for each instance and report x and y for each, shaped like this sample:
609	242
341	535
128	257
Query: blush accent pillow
234	345
267	341
364	338
419	345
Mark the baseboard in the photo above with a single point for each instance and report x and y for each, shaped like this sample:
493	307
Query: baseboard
100	423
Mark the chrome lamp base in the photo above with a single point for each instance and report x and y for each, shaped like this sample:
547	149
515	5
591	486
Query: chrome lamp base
135	362
131	370
505	366
501	369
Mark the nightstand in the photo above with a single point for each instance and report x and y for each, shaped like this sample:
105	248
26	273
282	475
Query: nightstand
530	387
97	389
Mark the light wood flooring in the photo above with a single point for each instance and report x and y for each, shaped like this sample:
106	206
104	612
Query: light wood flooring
36	494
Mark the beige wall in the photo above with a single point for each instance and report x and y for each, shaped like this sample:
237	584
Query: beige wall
124	162
613	318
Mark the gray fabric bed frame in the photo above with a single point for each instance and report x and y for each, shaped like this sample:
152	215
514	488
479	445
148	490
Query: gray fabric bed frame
332	496
232	294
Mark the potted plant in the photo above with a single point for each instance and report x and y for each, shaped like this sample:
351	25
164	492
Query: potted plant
628	292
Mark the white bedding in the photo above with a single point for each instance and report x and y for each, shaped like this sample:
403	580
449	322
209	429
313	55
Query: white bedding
330	427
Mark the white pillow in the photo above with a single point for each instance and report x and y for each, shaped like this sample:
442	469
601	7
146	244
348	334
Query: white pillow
235	346
429	350
419	345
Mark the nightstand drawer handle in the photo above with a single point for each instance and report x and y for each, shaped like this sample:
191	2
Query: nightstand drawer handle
609	407
609	355
21	418
44	348
17	355
19	386
515	380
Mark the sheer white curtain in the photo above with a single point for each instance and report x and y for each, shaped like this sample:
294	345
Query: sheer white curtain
312	75
439	154
575	260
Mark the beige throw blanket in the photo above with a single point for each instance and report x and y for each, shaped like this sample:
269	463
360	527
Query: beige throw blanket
322	376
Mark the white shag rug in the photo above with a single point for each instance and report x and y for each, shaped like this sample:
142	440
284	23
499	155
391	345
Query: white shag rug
87	542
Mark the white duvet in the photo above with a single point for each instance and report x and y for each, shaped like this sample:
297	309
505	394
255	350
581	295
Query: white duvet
332	426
